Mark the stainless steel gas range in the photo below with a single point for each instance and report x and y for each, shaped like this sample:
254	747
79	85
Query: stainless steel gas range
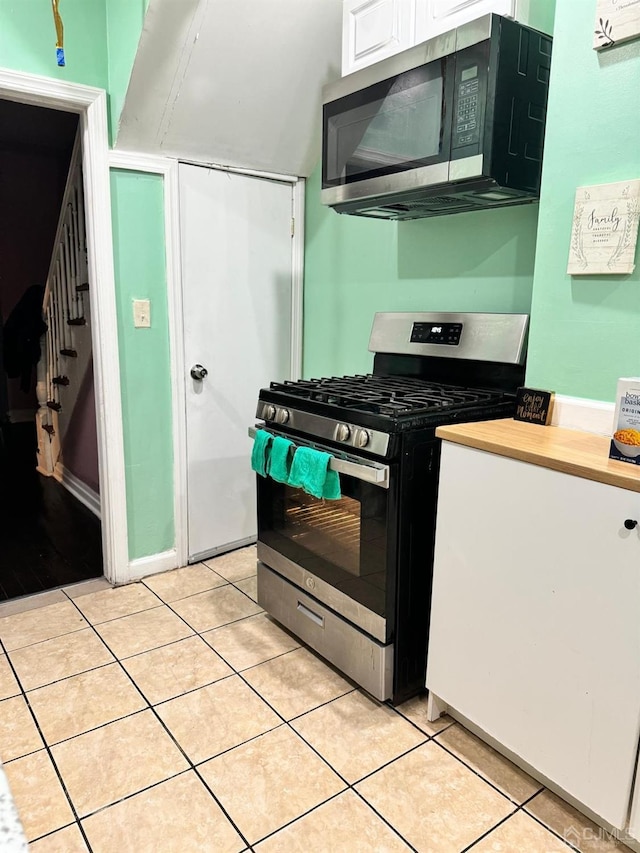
352	577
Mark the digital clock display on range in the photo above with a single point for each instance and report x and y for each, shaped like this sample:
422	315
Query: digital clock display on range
436	333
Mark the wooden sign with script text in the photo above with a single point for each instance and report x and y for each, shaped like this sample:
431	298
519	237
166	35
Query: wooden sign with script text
605	229
534	406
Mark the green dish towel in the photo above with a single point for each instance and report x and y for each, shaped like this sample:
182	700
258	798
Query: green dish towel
260	452
310	471
279	464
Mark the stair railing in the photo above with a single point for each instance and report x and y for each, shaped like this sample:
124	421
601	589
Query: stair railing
62	308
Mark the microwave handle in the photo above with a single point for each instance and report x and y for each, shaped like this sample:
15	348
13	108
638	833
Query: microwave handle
370	472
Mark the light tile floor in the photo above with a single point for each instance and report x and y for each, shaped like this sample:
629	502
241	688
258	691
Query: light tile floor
175	715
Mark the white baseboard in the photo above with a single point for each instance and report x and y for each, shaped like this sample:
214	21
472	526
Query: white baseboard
583	414
78	489
151	565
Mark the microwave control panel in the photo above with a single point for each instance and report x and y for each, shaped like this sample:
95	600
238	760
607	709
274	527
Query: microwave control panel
468	107
470	94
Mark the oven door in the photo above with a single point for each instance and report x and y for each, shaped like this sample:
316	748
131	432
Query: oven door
341	553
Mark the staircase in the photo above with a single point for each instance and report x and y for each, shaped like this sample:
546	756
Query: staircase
66	345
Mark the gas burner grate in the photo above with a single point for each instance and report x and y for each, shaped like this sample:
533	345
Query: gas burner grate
388	396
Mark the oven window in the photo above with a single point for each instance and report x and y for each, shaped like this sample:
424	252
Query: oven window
342	542
389	127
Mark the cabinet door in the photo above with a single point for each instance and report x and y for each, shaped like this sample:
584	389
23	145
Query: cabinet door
375	29
535	621
438	16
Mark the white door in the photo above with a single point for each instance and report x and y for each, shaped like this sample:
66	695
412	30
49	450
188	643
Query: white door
237	294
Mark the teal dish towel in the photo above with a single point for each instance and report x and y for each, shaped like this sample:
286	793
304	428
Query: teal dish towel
310	471
260	452
280	459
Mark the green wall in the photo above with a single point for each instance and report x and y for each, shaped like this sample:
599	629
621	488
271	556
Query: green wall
137	203
480	261
585	330
28	39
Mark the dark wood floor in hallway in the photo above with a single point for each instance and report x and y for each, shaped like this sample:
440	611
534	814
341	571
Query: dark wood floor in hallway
47	537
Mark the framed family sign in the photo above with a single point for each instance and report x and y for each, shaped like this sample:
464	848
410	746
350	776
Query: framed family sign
616	20
605	229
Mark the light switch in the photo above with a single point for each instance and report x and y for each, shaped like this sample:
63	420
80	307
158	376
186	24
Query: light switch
141	313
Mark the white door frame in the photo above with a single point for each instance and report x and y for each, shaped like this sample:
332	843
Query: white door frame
91	105
168	168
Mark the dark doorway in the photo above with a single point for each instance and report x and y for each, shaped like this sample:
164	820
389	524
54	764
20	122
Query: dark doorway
48	537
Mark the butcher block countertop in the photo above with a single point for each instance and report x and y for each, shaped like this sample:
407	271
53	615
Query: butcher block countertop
582	454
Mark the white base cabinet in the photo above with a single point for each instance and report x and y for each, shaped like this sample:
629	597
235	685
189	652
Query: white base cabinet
535	621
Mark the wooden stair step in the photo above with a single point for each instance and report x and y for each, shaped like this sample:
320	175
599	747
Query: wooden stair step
60	380
57	407
82	288
76	321
70	353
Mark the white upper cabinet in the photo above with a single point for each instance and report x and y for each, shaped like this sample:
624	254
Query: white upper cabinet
437	16
375	29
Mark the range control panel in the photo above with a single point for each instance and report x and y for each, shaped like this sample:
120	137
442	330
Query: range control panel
441	333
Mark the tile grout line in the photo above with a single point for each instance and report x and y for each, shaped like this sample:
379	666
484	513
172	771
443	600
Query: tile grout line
49	753
349	786
67	677
191	765
484	778
285	722
521	808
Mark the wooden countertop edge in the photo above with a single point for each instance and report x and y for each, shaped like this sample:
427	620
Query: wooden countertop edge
573	452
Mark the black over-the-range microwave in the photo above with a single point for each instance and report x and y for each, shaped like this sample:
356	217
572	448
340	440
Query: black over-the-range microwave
454	124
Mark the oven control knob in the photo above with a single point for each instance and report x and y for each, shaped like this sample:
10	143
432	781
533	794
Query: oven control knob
268	412
362	438
343	432
282	416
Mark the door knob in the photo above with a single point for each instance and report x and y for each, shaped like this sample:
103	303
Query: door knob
199	372
630	523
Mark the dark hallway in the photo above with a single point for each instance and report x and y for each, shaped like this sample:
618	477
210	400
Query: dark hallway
47	537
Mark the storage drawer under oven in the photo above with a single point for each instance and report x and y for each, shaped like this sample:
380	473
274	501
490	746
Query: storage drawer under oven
358	656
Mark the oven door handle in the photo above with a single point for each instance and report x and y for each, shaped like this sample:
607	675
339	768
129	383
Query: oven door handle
370	472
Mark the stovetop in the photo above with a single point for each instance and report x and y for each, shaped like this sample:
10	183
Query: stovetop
387	397
429	369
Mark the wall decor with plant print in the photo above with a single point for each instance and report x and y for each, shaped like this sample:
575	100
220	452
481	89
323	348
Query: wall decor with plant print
616	21
605	229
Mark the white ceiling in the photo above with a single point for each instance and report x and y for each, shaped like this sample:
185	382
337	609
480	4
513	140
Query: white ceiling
233	82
